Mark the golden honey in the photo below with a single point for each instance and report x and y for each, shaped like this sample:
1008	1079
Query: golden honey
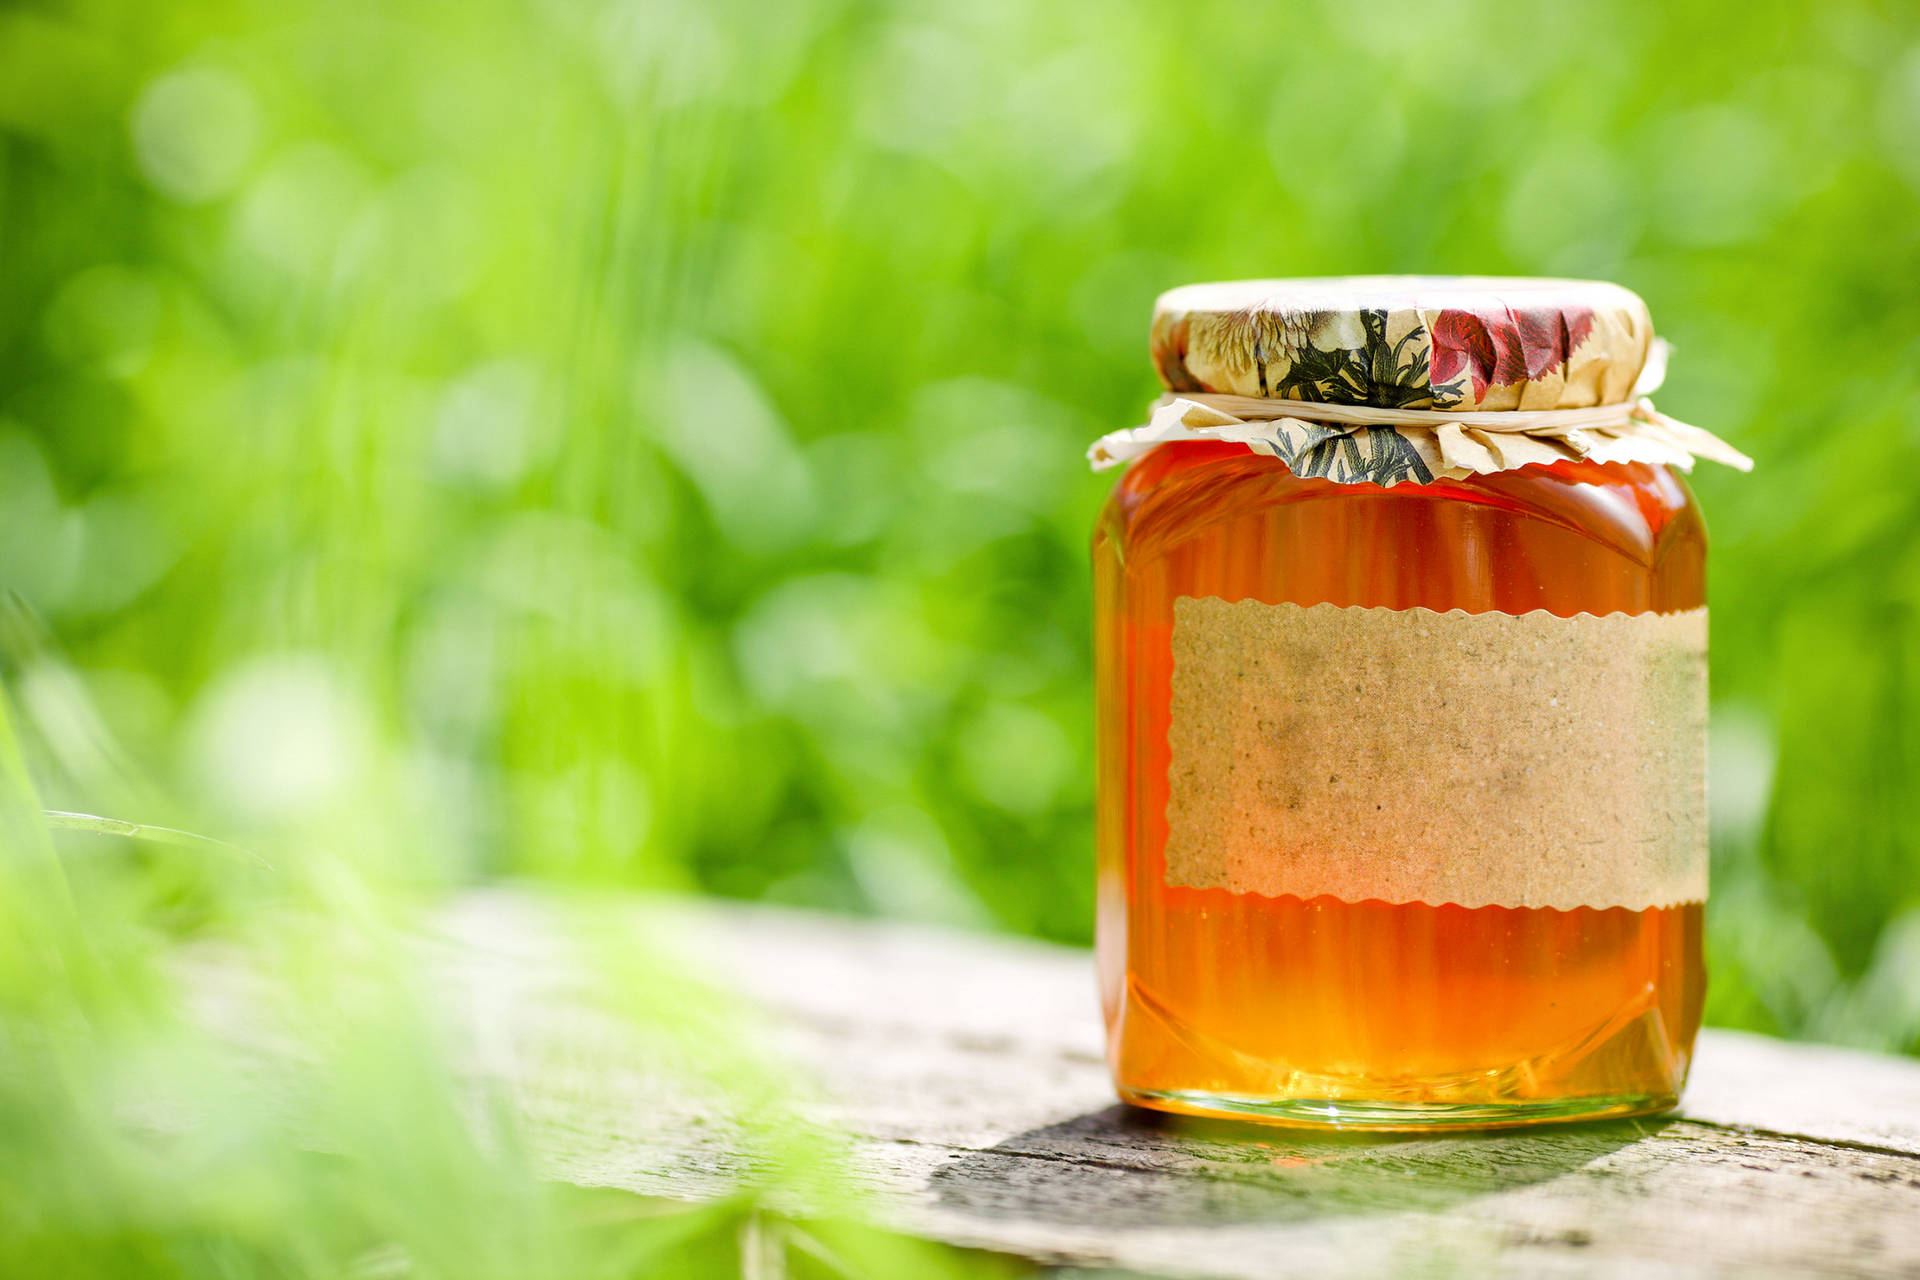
1372	1013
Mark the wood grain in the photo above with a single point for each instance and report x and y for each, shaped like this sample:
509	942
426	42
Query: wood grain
959	1080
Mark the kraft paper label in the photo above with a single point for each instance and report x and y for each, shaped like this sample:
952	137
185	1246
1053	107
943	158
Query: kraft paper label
1481	759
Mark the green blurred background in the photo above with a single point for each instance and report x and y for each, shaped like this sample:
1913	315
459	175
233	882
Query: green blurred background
640	444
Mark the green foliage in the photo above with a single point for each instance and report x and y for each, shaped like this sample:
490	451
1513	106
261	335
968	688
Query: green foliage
284	1102
639	444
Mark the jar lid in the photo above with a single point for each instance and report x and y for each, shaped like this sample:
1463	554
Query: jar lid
1406	342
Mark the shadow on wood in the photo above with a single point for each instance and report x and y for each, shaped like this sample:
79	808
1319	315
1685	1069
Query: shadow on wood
1087	1172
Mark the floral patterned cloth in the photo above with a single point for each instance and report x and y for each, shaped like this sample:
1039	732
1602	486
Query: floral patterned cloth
1406	342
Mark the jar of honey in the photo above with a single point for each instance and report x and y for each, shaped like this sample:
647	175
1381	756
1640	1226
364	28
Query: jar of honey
1401	683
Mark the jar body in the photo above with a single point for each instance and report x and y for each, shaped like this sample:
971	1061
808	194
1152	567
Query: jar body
1372	1013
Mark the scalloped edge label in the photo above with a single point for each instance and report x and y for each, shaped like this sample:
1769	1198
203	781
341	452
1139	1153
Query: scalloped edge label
1480	759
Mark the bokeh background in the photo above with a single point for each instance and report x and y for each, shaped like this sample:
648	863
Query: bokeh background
639	444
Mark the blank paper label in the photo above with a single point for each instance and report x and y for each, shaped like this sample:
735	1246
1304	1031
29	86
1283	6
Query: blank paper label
1481	759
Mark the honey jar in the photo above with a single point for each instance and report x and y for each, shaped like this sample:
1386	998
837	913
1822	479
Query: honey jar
1401	654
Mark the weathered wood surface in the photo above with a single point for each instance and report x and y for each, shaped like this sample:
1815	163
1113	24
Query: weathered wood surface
965	1076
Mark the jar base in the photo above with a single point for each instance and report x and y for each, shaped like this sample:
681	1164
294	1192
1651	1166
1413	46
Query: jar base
1349	1114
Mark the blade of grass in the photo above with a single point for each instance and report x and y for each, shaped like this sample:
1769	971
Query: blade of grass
64	820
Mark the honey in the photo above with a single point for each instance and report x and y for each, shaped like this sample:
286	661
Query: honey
1367	1011
1418	1011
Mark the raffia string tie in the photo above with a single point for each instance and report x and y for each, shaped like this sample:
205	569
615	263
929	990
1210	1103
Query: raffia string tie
1355	443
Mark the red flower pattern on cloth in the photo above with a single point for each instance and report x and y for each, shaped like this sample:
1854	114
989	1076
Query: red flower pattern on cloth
1500	345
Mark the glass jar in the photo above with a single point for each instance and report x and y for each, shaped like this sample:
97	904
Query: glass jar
1401	812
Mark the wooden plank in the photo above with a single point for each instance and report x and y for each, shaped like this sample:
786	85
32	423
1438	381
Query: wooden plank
960	1080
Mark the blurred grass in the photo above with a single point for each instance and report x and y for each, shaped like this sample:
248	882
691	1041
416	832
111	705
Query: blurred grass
639	443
